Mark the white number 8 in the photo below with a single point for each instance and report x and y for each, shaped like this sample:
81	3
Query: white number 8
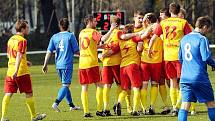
188	54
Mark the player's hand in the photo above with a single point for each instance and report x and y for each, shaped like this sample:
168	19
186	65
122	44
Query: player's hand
139	46
149	53
45	69
29	63
14	75
107	54
113	26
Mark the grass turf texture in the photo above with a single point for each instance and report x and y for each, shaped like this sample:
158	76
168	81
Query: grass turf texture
45	89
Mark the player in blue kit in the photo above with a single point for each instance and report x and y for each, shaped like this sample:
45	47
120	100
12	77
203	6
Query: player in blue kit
195	55
66	46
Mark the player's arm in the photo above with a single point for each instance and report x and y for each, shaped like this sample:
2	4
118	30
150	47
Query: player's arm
114	49
157	32
49	52
17	64
74	44
206	53
128	36
107	35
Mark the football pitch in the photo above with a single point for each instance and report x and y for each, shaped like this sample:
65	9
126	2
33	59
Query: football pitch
45	89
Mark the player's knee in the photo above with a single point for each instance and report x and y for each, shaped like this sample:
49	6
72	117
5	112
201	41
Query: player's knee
107	85
84	87
65	85
28	95
185	105
210	104
9	94
154	83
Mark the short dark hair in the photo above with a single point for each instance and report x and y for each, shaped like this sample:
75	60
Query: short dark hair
20	24
165	11
88	18
203	21
174	8
151	17
129	28
183	11
64	23
137	12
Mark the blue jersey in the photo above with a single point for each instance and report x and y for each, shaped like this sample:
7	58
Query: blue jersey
65	45
194	55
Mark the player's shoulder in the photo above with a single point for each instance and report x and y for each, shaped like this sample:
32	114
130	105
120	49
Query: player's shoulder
17	38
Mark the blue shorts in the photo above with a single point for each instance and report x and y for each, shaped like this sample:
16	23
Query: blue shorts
197	92
65	75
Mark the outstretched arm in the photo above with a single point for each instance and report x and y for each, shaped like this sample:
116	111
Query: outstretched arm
107	35
47	57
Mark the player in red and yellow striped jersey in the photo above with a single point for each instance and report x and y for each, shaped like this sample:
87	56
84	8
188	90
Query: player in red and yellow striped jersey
88	63
111	59
18	74
150	67
89	38
173	29
129	70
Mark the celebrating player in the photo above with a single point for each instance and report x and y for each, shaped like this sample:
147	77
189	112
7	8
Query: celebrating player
173	29
129	70
195	55
18	75
150	67
66	46
111	59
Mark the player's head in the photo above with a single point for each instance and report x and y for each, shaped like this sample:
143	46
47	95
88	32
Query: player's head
150	18
90	21
164	13
22	27
203	24
138	18
64	24
174	8
182	13
115	19
129	28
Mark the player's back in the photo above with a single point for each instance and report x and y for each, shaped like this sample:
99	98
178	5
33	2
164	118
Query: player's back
63	44
193	54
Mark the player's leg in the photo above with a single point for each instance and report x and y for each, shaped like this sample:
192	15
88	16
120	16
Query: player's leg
155	72
211	110
84	100
10	87
61	92
107	80
134	74
183	112
25	85
5	103
172	74
205	94
193	108
66	75
188	96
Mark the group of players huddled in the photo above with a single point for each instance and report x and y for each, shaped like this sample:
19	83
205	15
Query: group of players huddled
149	51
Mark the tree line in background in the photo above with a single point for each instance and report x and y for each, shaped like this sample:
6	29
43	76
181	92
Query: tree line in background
43	15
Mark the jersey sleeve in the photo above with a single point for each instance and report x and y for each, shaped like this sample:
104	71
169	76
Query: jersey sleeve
115	48
74	43
158	30
136	39
206	53
22	45
96	36
187	28
119	34
51	46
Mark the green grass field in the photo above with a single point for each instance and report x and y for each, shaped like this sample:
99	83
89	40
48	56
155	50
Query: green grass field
45	90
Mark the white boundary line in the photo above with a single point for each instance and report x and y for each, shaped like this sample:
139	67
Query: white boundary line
42	52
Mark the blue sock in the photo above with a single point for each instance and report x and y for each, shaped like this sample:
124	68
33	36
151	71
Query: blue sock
61	93
182	115
211	113
69	98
